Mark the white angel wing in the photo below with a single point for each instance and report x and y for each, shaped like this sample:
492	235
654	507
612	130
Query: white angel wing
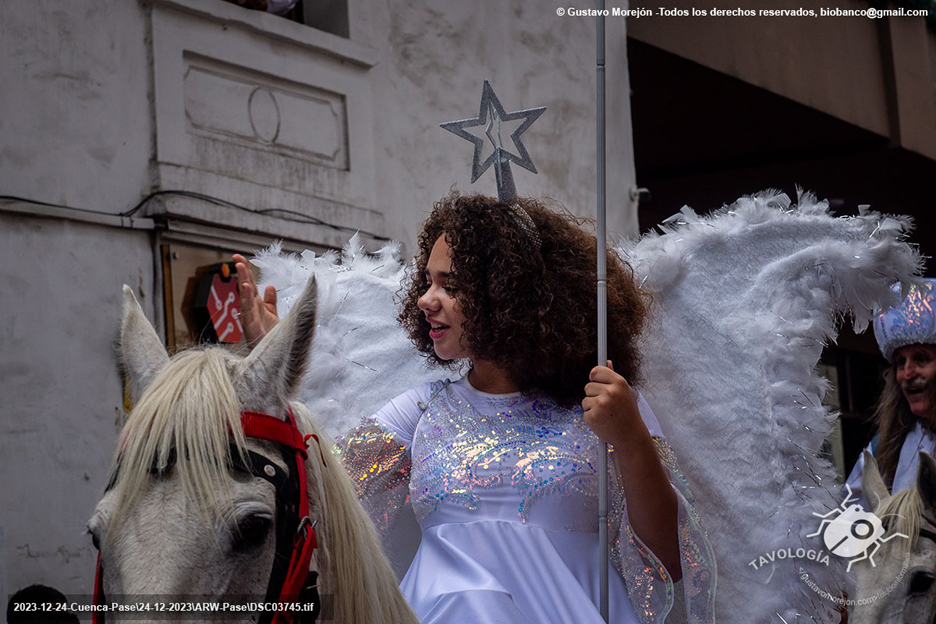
744	300
360	357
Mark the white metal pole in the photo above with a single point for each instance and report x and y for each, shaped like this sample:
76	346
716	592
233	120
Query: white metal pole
602	312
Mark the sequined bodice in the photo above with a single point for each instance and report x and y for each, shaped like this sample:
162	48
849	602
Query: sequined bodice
511	458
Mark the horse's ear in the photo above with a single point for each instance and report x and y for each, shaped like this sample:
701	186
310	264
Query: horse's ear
926	480
275	368
141	349
871	482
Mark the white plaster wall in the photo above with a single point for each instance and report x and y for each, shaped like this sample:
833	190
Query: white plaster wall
74	115
74	129
60	388
436	54
77	121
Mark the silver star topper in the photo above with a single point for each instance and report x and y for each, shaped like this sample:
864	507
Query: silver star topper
501	157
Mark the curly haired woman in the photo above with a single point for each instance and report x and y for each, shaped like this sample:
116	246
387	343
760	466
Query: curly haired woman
500	465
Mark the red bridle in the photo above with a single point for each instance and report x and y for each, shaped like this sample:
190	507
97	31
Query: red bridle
287	434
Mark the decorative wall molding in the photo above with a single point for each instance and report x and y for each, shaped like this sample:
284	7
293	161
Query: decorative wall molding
263	112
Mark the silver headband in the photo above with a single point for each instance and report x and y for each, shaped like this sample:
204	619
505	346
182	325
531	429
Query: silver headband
523	220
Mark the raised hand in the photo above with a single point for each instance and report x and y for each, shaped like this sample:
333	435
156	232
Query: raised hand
258	315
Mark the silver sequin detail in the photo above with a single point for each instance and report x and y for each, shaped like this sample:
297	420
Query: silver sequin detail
912	322
536	447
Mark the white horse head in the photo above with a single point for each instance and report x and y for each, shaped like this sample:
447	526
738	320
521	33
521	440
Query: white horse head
178	520
900	586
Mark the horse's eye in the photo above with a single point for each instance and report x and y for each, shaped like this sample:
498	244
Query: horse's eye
96	529
94	540
252	531
920	582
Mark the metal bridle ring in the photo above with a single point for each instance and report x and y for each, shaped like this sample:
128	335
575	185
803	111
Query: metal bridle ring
305	522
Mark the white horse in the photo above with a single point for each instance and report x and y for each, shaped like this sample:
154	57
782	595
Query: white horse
199	507
900	586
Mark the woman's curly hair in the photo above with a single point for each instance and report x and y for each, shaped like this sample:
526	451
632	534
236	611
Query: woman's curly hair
530	307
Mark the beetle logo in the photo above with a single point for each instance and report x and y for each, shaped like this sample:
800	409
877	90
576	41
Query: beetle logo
852	533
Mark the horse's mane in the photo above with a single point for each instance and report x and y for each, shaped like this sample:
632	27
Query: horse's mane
901	513
355	549
190	410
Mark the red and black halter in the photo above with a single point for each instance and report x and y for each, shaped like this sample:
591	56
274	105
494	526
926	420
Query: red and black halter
295	535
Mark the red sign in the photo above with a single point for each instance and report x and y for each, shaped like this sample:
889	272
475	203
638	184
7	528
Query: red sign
224	309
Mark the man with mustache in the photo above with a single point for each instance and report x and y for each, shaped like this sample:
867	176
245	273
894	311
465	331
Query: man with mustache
906	409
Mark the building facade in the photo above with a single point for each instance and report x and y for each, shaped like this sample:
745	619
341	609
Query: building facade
141	142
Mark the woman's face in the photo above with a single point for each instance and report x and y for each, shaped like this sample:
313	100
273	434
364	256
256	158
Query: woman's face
442	310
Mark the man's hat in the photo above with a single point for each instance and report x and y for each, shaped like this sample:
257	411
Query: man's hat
912	322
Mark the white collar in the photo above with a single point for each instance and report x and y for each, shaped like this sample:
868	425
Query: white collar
919	439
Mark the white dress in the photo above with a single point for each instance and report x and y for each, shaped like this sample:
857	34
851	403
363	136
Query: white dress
505	491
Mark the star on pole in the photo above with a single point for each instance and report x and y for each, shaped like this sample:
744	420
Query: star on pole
491	114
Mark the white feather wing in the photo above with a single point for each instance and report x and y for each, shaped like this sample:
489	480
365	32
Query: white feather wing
744	301
360	356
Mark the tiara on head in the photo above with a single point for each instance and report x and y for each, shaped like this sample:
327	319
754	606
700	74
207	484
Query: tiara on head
491	114
911	322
